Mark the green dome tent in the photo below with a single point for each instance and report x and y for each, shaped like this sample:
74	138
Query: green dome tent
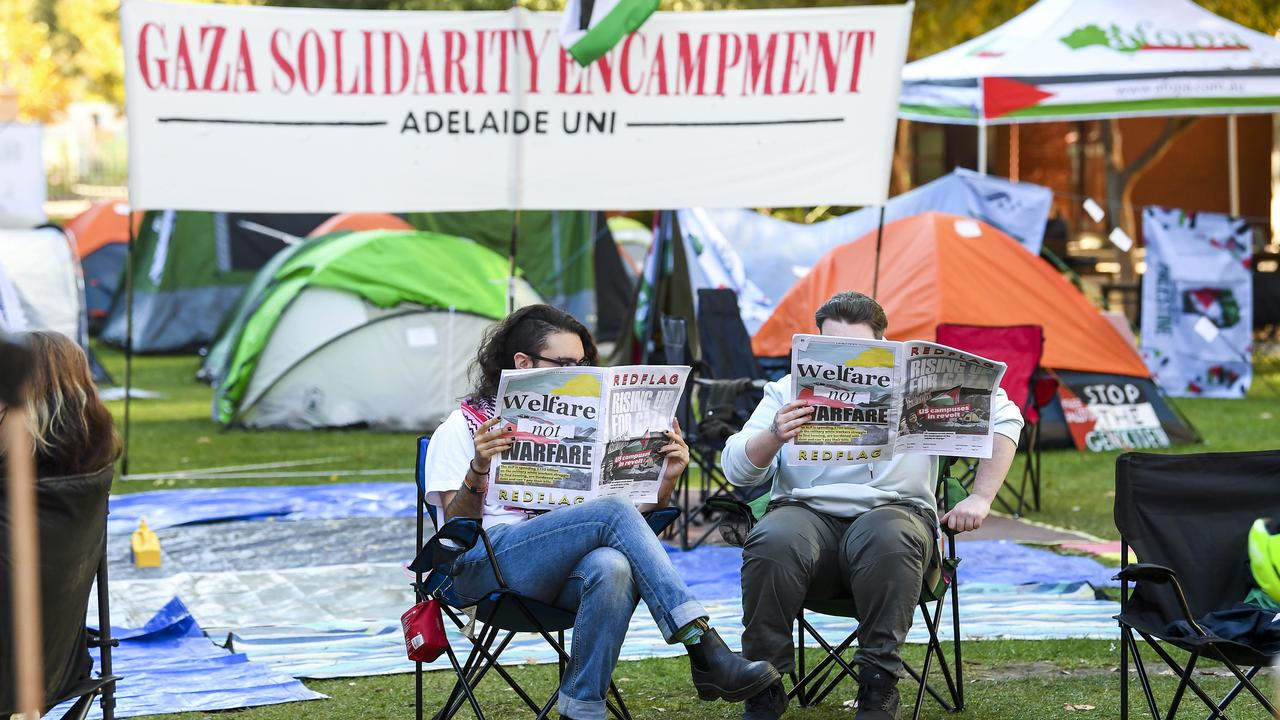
375	328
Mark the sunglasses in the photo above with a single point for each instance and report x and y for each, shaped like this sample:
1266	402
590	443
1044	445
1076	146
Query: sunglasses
562	362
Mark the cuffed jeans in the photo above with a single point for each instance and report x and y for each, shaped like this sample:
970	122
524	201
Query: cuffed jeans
795	553
597	558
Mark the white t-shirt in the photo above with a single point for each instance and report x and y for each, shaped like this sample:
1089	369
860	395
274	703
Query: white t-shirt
449	455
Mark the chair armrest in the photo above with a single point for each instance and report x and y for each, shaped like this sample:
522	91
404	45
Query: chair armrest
1152	573
1146	572
733	507
661	518
450	542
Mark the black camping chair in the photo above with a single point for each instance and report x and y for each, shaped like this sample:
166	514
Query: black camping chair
498	617
811	687
728	388
1188	517
72	535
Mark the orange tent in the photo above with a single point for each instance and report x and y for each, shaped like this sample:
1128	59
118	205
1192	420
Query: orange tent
103	223
354	222
940	268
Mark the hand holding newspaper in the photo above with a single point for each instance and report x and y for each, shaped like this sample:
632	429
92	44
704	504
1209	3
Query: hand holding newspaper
873	398
583	433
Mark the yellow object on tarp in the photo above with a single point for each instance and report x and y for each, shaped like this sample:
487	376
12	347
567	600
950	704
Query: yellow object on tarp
145	546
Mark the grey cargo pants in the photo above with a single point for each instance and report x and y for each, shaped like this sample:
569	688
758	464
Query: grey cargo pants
795	553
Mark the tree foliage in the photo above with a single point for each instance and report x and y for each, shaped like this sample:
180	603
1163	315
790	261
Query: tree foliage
30	63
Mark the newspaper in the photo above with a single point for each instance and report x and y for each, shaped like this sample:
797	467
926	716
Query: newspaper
583	433
875	398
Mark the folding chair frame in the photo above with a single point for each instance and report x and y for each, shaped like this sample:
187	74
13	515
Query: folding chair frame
712	482
103	686
812	687
1186	681
484	655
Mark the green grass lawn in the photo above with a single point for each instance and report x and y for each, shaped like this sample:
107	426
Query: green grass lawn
1014	679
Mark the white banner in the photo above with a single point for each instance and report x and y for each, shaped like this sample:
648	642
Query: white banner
1197	303
273	109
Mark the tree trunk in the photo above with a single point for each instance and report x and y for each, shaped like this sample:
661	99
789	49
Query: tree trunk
901	180
1123	177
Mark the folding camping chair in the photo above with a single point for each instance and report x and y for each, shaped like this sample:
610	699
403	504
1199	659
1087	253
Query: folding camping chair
498	617
1019	347
1187	517
811	687
72	519
726	390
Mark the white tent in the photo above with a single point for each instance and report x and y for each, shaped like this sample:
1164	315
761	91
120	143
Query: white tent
411	361
1089	59
12	319
43	269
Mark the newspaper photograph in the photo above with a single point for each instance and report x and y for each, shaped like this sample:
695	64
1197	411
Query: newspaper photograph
582	433
875	398
946	402
851	386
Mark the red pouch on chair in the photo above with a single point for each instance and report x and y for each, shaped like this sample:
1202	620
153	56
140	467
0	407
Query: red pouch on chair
424	636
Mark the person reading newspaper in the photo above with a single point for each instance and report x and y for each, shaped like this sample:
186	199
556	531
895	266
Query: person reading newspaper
831	530
597	557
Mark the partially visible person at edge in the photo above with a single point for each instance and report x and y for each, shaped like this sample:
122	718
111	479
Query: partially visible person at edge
865	530
597	558
70	428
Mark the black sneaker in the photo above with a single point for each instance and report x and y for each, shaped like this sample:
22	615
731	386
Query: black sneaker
877	696
768	705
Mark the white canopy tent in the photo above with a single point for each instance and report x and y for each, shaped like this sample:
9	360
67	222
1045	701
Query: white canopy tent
1092	59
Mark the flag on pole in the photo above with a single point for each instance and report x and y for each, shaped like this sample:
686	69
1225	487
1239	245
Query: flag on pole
590	28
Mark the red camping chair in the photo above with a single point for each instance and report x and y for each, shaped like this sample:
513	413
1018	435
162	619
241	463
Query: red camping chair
1019	347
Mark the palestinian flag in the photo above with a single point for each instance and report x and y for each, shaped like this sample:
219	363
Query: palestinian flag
590	28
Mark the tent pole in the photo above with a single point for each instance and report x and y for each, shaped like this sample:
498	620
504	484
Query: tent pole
982	146
517	170
1233	165
511	255
128	342
875	272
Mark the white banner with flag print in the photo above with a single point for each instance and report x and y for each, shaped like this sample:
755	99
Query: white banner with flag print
1197	303
305	110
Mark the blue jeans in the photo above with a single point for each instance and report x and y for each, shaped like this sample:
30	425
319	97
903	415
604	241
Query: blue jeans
596	558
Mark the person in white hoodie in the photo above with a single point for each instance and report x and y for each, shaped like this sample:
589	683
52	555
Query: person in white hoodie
868	530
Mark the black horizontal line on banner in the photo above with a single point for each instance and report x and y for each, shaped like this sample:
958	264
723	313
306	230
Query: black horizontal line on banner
233	121
738	123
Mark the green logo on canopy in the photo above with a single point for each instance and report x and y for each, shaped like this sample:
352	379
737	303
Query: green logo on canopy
1144	36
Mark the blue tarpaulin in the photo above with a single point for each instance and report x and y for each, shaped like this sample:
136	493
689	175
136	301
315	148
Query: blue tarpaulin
169	508
168	665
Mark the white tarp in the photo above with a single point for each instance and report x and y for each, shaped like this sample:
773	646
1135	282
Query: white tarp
1064	59
22	180
302	110
1197	303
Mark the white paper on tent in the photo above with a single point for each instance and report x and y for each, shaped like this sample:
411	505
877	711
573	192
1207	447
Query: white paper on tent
421	336
1094	210
968	229
1120	239
1205	328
